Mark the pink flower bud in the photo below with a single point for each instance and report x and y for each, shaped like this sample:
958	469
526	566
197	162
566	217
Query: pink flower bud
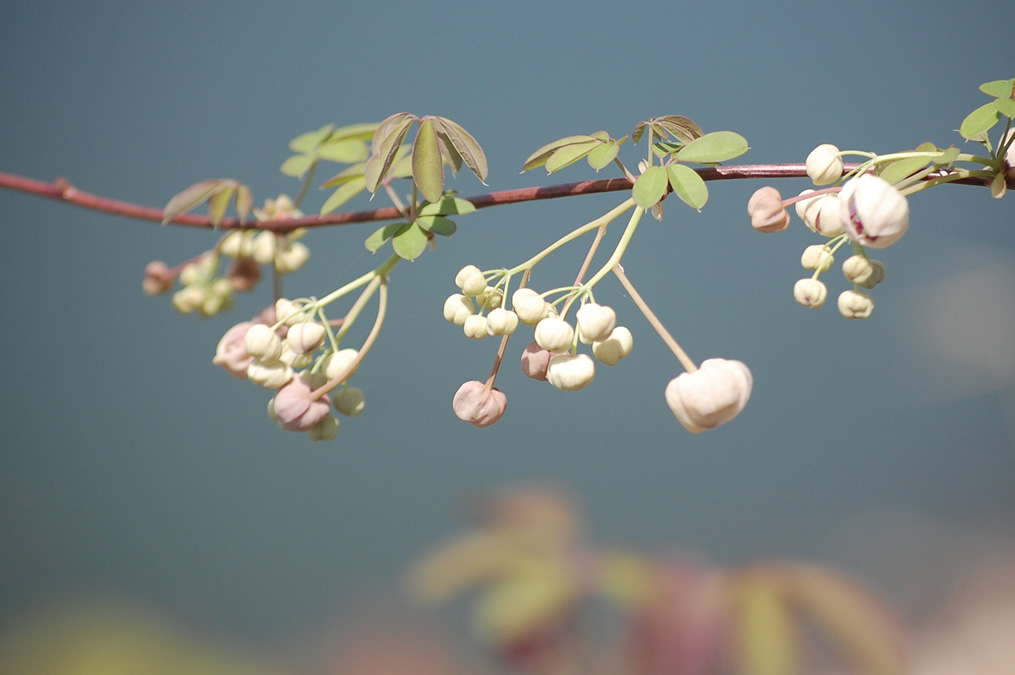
157	278
231	353
480	407
535	361
767	212
713	394
874	213
294	408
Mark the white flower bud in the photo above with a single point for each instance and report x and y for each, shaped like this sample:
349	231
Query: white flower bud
570	373
471	280
295	359
595	322
188	299
824	165
236	244
713	394
618	345
491	298
821	214
191	274
457	308
877	274
855	304
874	213
349	401
816	257
554	334
288	313
529	306
292	257
810	293
261	342
475	327
269	376
264	247
305	337
325	430
501	322
766	211
336	363
858	269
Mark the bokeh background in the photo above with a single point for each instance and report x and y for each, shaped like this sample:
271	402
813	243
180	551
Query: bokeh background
134	469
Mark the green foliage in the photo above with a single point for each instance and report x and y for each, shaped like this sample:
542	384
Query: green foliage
650	187
599	149
410	241
343	144
217	192
983	119
681	128
714	147
688	185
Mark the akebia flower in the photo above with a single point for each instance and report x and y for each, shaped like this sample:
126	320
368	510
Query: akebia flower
293	407
711	395
529	306
535	361
477	405
766	211
874	213
570	373
824	165
231	353
595	322
821	214
810	293
616	346
554	333
855	304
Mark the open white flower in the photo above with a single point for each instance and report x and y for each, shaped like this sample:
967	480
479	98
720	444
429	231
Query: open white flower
874	213
711	395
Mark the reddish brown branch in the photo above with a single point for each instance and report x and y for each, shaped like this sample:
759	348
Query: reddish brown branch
62	190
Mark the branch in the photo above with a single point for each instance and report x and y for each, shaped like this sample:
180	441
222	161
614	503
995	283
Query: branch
62	190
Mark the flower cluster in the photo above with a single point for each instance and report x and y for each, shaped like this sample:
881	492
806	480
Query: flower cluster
286	349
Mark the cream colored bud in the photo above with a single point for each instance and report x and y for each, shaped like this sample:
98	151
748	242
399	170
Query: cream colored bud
711	395
325	430
291	258
471	280
337	363
349	401
269	376
571	373
554	334
264	247
615	347
261	342
766	210
877	274
457	308
529	306
595	322
475	327
824	165
857	269
188	299
501	322
491	298
810	293
295	359
288	313
855	304
305	337
816	257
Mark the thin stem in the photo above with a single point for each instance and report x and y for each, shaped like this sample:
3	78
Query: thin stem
382	308
585	267
306	185
618	252
384	268
654	321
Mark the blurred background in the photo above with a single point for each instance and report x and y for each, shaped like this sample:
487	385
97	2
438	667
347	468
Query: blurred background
137	473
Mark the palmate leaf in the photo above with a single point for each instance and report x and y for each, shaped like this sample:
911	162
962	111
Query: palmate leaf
470	152
1005	106
447	206
714	147
343	194
540	156
409	242
437	225
999	88
569	154
676	126
602	156
345	175
895	171
980	121
218	190
218	204
385	146
427	162
307	142
687	185
382	234
650	187
298	165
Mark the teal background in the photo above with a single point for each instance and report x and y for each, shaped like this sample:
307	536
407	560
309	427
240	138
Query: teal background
132	466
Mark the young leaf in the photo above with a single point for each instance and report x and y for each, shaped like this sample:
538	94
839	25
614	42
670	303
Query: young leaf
979	121
948	156
305	143
218	204
381	236
343	194
448	152
999	88
359	132
346	151
679	127
1005	106
446	206
346	175
298	165
427	164
410	242
437	224
717	146
602	156
189	198
650	187
386	144
569	154
467	146
244	200
539	157
688	185
895	171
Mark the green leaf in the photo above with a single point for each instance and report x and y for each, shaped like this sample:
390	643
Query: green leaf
999	88
348	174
979	121
360	132
381	236
650	187
446	206
386	145
343	194
244	200
688	185
602	156
305	143
190	197
467	146
1005	106
410	242
298	165
902	168
437	224
539	157
948	156
448	152
569	154
765	639
346	151
218	204
427	165
717	146
402	168
679	127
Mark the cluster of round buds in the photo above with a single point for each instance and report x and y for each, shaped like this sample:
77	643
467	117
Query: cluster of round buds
203	291
466	309
858	269
282	251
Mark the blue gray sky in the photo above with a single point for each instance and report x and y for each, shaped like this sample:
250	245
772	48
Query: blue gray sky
134	467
